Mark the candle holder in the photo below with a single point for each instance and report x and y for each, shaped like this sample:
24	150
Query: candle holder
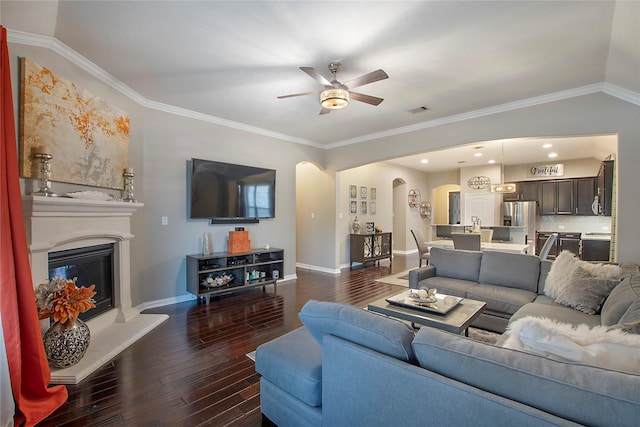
127	195
45	175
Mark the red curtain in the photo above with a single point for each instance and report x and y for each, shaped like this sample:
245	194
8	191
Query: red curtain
28	367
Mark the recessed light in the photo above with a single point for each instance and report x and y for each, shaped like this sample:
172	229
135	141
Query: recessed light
553	155
547	146
477	155
491	162
423	161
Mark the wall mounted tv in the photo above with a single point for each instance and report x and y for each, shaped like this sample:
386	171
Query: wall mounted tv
230	193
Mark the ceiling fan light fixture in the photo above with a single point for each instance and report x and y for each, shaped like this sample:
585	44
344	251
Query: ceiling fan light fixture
334	99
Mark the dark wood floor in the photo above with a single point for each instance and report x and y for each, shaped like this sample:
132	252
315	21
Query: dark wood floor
192	370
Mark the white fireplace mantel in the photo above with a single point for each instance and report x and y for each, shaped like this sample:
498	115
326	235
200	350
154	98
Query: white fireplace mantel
60	223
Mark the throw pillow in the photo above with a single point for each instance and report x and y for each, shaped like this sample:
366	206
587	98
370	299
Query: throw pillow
561	341
563	269
585	292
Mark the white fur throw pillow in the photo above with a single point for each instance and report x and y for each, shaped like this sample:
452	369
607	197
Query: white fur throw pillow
597	346
563	270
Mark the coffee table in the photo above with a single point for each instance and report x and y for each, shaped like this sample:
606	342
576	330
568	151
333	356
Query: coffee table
457	320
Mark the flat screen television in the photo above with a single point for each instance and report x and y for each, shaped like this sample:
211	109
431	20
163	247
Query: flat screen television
226	192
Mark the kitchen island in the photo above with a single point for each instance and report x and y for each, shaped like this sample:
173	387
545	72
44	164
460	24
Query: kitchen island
501	234
514	248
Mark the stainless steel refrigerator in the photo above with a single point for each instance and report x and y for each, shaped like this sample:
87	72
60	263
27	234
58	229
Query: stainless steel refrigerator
521	214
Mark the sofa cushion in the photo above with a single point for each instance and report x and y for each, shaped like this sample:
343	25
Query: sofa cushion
500	299
620	299
377	332
510	270
597	346
456	264
584	394
449	286
293	362
585	292
545	307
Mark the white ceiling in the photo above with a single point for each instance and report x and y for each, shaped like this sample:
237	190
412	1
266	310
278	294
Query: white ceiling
229	60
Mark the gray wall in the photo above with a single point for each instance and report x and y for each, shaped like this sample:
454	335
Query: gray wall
161	142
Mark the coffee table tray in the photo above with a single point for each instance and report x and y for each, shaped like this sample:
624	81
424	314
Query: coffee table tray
442	305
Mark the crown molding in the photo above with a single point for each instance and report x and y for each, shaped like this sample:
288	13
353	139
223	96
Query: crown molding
65	51
510	106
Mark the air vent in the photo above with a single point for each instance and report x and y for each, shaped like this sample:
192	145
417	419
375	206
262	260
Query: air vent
420	109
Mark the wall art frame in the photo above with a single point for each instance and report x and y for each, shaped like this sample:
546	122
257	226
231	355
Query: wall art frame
87	137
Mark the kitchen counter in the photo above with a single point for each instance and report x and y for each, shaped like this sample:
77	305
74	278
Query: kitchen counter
596	236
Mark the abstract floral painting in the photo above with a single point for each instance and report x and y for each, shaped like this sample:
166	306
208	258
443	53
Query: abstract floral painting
87	137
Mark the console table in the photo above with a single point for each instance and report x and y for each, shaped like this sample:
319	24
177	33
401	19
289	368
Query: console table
231	272
369	247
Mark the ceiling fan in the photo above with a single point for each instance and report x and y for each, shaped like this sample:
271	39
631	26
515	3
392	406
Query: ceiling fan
336	95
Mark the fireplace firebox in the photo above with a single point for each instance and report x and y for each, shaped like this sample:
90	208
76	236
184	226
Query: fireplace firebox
90	265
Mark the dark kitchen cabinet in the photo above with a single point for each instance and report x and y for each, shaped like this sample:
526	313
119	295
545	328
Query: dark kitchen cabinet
565	242
585	192
525	191
548	197
605	187
595	250
566	200
569	242
556	197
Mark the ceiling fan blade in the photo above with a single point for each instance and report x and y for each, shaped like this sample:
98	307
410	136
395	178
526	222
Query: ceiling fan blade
316	75
373	100
299	94
373	76
324	111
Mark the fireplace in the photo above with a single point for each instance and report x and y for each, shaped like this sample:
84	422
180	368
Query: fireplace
65	233
92	265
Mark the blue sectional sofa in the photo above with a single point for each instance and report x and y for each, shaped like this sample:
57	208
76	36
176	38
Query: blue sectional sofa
351	367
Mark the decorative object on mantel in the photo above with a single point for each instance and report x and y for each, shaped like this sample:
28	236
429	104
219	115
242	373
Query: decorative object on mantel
45	175
370	227
127	194
90	195
378	229
355	225
67	340
88	137
425	209
414	198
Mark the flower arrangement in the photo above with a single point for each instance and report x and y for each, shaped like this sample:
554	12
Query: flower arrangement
63	300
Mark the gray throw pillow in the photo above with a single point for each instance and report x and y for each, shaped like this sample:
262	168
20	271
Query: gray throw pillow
620	299
630	320
585	292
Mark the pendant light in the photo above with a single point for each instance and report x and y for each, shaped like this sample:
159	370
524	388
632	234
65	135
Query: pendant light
504	187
